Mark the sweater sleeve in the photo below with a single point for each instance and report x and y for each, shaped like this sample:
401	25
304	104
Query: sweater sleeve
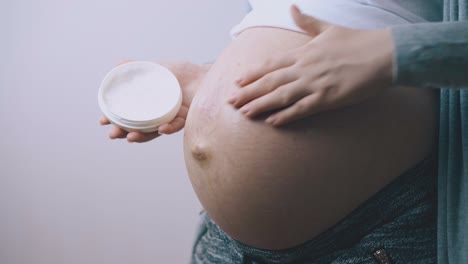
431	54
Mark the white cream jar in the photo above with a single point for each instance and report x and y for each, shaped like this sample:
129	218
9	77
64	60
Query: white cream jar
140	96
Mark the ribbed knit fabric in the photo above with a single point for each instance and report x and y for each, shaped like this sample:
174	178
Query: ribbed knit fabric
436	54
432	54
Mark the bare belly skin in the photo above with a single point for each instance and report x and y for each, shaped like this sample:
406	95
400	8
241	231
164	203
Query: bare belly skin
274	188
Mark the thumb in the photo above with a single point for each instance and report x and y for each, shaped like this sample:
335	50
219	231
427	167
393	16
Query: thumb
309	24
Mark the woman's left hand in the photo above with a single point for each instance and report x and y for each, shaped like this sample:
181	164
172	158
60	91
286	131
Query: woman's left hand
337	68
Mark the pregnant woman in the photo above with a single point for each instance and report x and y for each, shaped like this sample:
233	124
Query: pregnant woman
349	185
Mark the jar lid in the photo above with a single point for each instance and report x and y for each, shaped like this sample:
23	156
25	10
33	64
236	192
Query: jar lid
140	95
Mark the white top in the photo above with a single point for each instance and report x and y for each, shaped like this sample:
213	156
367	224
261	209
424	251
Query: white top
359	14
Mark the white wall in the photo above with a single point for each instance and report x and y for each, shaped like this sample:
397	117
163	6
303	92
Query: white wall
67	193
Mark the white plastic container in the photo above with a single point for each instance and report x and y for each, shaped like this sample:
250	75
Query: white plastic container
140	96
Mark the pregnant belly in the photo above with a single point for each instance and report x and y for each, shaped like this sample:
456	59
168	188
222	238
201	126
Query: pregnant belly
275	188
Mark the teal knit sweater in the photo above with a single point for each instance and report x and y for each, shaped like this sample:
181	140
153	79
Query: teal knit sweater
435	54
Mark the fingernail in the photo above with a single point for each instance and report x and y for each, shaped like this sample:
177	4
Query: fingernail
239	80
245	109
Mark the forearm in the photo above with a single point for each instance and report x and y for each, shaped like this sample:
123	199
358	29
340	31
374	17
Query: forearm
187	71
189	75
431	54
203	69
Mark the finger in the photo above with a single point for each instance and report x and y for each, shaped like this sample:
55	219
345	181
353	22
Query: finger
280	98
175	125
309	24
306	106
117	132
141	137
262	86
103	120
260	69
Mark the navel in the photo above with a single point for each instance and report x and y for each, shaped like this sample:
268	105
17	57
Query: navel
200	153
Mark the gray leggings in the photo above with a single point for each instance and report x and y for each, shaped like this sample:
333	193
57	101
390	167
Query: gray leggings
396	225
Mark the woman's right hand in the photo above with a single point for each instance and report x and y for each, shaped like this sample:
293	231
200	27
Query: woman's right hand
190	77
